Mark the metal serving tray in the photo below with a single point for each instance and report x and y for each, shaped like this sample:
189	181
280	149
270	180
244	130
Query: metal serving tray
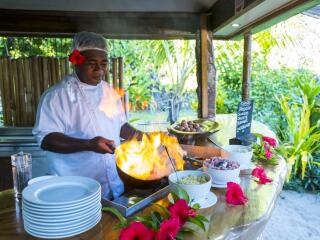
136	199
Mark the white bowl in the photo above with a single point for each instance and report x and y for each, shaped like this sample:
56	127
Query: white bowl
222	176
38	179
238	153
195	191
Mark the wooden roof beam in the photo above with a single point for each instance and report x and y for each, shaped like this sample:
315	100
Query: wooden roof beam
111	25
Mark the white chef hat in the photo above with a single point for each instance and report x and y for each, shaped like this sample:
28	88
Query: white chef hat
83	41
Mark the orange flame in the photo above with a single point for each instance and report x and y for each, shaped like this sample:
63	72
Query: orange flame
144	160
111	100
120	91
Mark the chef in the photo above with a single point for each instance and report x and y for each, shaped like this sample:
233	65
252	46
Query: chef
80	119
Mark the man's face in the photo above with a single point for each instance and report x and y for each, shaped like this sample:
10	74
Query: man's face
94	68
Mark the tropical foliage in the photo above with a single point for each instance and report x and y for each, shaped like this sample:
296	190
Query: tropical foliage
301	144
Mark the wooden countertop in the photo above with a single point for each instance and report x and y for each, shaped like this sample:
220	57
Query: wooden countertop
226	221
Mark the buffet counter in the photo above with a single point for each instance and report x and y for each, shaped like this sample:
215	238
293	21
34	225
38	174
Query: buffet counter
226	221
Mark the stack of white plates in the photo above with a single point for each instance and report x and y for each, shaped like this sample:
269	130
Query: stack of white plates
61	206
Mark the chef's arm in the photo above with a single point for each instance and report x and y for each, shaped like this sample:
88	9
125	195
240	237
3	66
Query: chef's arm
61	143
128	132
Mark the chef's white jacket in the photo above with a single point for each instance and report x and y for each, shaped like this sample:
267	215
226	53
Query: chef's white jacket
82	111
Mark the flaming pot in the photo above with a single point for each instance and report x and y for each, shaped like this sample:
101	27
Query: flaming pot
139	183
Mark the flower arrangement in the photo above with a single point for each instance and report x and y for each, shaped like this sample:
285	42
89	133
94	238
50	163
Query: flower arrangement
264	150
163	226
77	58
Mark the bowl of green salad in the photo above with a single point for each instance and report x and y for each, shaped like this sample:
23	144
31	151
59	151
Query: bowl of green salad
196	183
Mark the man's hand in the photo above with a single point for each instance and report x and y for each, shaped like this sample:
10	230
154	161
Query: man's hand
102	145
61	143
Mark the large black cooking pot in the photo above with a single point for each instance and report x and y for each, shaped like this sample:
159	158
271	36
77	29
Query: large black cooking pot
132	182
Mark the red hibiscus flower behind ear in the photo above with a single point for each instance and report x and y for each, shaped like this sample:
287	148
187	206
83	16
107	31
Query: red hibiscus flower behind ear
136	231
181	210
168	229
235	195
260	173
77	58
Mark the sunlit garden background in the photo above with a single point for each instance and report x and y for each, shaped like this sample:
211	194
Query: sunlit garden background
160	77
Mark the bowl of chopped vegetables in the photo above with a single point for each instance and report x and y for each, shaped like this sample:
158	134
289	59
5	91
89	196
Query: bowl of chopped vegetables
196	183
221	170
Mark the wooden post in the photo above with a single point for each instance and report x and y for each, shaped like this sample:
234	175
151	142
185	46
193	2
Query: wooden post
107	77
29	96
206	71
45	74
246	66
212	79
114	73
15	103
120	68
19	92
4	91
36	81
7	93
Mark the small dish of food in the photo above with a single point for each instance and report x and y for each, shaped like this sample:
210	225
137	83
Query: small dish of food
239	153
222	170
196	183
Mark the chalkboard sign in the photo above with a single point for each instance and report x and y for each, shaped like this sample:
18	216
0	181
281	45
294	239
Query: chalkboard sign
244	118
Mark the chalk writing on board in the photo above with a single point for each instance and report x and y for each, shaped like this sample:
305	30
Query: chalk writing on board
244	118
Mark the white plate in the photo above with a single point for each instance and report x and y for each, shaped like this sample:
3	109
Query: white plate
62	231
38	179
64	225
215	185
64	234
58	220
64	215
61	206
51	208
208	201
61	190
42	213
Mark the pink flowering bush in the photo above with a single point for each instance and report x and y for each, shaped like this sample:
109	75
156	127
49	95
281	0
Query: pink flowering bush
264	150
161	226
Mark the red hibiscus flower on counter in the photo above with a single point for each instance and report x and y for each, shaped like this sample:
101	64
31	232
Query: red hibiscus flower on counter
164	225
136	231
235	195
260	174
168	229
182	211
77	58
